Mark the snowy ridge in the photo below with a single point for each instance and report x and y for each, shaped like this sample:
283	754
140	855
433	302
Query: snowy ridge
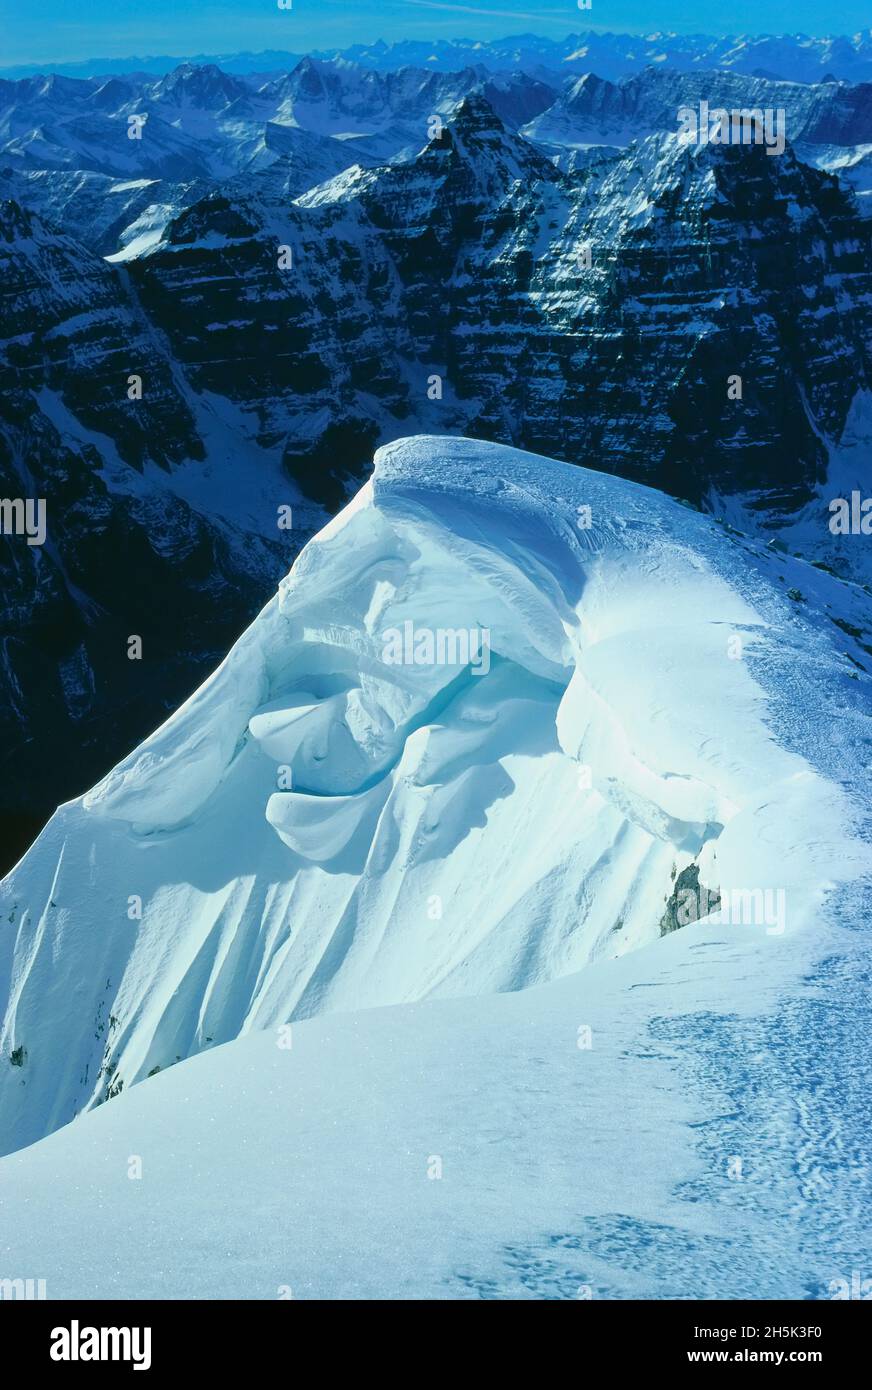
445	832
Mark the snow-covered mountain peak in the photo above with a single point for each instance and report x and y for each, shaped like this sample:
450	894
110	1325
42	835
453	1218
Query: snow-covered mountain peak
495	713
475	119
205	87
475	140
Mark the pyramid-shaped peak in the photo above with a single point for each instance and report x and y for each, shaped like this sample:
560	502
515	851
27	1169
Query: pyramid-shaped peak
474	115
474	135
204	85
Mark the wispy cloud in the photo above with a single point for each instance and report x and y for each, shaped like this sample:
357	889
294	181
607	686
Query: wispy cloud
479	9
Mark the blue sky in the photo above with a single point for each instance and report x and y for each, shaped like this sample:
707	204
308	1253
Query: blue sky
45	31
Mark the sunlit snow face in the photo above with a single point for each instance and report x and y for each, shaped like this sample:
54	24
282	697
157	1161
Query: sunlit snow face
387	628
403	666
433	677
451	676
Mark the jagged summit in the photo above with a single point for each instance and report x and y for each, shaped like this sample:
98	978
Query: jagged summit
205	86
474	137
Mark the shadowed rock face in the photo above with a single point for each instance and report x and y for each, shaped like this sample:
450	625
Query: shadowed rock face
686	902
123	555
464	264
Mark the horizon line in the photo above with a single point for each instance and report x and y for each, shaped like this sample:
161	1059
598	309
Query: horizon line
597	32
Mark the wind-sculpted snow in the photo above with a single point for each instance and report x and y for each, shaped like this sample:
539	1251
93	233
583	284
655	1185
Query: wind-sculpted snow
473	744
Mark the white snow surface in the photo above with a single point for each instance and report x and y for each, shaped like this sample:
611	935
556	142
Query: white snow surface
450	837
596	1172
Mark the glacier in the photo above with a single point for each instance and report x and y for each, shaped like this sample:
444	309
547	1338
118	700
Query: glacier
452	883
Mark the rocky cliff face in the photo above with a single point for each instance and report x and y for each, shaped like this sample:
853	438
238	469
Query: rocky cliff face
126	553
469	263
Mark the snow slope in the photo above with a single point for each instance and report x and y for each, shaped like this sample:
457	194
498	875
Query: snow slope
319	830
566	1172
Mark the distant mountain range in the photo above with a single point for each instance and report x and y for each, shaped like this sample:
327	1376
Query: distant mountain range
64	141
795	57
